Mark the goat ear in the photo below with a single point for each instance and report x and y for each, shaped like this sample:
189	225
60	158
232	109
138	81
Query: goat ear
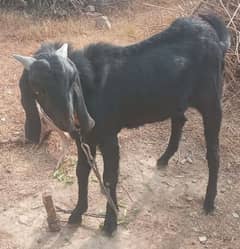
63	51
26	61
84	119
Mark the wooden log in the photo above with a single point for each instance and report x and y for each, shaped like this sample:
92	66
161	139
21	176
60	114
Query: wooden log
53	221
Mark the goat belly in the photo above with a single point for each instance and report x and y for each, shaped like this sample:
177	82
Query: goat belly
137	104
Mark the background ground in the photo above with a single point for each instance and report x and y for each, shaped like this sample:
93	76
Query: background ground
159	209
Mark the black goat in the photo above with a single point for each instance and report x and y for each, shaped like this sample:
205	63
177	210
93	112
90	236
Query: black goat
104	88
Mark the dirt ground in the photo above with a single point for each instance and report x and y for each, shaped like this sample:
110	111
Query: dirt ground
158	209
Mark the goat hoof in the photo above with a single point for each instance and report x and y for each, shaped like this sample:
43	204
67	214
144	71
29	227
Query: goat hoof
75	218
109	228
162	163
208	207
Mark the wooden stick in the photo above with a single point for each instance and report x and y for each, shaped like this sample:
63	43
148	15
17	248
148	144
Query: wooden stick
53	221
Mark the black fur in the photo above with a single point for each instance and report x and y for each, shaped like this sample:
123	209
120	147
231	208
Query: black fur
151	81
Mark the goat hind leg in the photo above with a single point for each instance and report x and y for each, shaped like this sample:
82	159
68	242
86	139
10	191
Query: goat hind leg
212	123
177	124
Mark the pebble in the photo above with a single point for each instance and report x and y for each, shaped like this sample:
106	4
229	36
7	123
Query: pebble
229	182
202	239
23	219
223	190
235	215
39	241
183	161
36	206
189	198
9	171
195	229
102	22
90	8
179	176
189	160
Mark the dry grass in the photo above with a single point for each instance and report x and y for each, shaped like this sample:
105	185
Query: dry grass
18	27
81	30
25	29
22	27
230	11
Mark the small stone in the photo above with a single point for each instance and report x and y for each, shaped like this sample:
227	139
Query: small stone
229	182
179	176
102	22
195	229
23	219
9	171
3	209
90	8
184	138
194	181
189	160
183	161
235	215
202	239
188	198
193	214
39	241
3	119
223	190
36	206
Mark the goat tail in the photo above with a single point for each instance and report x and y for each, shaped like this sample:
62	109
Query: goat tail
220	28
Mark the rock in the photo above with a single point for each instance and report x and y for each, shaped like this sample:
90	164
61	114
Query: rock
102	22
195	229
179	176
189	198
90	8
39	241
194	181
229	182
25	220
183	161
3	209
189	160
3	119
36	206
223	190
9	171
202	239
235	215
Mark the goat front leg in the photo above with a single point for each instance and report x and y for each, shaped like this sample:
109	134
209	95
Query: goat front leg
110	151
82	171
